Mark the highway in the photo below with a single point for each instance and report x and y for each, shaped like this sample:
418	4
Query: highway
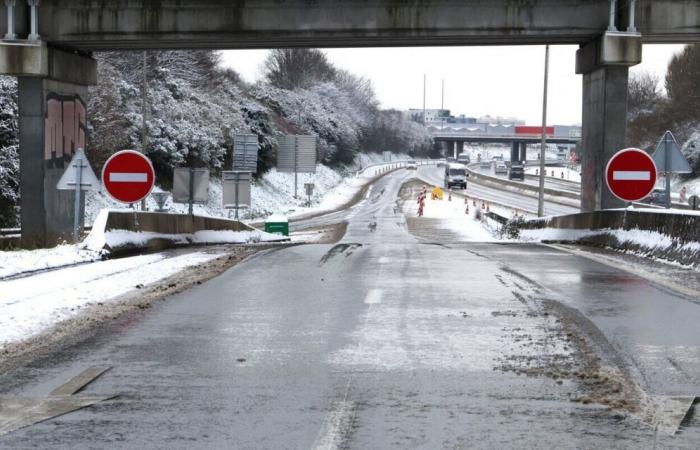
525	201
388	340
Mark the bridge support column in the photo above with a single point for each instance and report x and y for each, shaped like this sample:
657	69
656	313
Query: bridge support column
514	155
604	64
460	147
523	151
53	88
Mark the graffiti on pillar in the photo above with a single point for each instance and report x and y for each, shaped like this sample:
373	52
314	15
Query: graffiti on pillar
65	128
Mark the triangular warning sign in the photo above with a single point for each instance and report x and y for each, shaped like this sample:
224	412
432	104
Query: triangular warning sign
88	180
668	156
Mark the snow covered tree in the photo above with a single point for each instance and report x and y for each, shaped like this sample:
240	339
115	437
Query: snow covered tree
297	68
647	115
9	152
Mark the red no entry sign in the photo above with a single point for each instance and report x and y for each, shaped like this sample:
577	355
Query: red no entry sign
128	176
631	174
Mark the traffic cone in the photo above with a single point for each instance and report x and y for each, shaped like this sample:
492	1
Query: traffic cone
466	201
449	196
474	202
466	211
483	205
487	208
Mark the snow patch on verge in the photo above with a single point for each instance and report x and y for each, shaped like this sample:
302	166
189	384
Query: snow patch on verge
31	305
14	262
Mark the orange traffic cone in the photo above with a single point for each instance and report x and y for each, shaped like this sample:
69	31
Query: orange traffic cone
473	202
487	208
449	196
466	211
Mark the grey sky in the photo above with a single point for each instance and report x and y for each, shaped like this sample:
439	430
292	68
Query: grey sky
500	81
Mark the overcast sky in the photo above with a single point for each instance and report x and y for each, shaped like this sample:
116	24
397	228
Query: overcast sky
499	81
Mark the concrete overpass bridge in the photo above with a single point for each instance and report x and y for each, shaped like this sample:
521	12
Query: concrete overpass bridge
48	45
455	141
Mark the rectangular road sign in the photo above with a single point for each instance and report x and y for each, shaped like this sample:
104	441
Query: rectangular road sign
245	152
236	180
182	184
297	153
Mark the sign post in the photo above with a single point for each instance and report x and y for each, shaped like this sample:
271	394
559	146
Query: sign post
694	202
79	177
631	174
190	186
297	154
309	188
236	190
128	176
669	159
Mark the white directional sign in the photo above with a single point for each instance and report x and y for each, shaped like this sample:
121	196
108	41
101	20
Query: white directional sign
245	152
78	169
297	154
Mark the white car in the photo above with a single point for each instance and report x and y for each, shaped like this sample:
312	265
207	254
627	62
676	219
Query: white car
412	165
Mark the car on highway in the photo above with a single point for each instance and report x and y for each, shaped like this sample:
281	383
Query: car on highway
412	165
500	167
463	159
516	172
456	176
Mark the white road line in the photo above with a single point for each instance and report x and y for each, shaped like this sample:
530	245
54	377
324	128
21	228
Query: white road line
335	426
128	177
374	296
631	175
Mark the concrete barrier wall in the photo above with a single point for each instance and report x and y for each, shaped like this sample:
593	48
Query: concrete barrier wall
169	223
683	227
678	238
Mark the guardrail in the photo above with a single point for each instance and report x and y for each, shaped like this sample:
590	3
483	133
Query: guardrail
500	182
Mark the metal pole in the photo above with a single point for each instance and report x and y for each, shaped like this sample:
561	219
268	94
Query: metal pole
237	180
78	186
540	200
144	100
613	10
10	19
667	162
630	26
424	79
296	155
191	199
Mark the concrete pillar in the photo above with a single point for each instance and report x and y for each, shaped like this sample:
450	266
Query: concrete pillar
454	149
53	88
514	155
604	64
523	151
460	147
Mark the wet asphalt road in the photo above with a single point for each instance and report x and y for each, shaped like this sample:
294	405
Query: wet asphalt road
383	341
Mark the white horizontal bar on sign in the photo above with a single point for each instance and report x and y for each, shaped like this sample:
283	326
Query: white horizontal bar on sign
128	177
631	175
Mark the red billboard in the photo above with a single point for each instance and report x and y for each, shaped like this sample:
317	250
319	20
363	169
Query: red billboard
526	129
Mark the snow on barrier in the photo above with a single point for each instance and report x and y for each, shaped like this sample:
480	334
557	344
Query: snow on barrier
122	231
666	234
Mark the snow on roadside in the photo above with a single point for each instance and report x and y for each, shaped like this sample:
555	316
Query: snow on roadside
453	217
20	261
31	305
648	240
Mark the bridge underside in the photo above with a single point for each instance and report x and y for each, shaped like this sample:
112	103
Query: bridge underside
55	70
146	24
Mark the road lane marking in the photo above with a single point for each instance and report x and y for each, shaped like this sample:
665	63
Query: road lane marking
127	177
335	426
631	175
374	296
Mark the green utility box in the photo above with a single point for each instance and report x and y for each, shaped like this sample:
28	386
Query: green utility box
277	225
